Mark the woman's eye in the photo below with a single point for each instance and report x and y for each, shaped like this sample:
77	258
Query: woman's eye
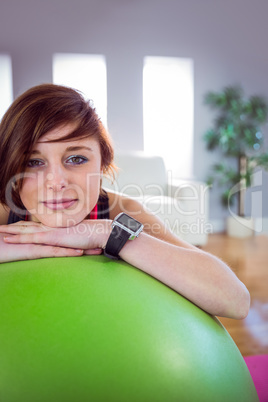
35	163
76	160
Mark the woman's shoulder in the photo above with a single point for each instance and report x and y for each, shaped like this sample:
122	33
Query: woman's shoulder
153	225
4	213
119	202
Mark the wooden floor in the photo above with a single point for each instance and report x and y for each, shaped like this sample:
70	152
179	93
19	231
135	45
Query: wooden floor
249	260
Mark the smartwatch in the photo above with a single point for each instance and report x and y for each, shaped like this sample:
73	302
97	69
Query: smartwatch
124	228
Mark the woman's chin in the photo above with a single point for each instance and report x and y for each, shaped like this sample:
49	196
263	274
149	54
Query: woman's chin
61	220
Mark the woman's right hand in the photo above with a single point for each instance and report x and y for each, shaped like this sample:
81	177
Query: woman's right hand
29	251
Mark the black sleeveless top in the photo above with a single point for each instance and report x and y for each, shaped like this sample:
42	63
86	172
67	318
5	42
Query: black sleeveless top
102	210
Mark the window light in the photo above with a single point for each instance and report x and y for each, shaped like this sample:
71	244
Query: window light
84	72
168	112
6	87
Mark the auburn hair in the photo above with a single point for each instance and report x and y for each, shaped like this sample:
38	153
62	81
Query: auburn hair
33	114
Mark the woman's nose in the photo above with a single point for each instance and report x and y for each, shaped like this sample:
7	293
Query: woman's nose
56	180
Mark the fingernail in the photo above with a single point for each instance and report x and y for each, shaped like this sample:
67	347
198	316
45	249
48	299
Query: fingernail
79	251
6	238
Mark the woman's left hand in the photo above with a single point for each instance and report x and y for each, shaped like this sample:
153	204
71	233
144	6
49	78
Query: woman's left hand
89	235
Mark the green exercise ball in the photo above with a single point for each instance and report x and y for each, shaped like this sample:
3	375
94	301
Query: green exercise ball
92	329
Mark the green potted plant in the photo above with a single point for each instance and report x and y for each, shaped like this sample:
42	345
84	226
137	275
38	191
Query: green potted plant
237	134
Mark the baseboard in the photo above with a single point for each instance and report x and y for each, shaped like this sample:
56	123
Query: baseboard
261	225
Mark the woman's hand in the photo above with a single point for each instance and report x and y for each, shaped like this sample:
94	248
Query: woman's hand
30	240
17	252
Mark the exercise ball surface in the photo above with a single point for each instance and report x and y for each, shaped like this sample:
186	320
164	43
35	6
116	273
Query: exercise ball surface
92	329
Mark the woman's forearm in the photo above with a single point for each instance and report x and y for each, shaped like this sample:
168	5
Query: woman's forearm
200	277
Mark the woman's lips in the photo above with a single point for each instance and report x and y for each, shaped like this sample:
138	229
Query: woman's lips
59	204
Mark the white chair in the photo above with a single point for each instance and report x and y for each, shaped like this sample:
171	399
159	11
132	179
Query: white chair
181	204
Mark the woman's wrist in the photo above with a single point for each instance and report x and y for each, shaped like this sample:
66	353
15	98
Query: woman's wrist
106	232
101	232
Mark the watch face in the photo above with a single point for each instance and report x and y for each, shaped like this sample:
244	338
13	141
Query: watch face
129	222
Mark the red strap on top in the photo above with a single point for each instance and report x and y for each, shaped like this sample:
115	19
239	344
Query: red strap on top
94	213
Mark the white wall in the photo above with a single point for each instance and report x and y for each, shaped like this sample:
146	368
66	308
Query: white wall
226	39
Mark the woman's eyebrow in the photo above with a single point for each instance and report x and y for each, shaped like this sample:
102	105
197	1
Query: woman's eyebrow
34	152
78	148
68	149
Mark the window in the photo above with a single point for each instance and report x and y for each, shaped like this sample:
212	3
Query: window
84	72
6	89
168	112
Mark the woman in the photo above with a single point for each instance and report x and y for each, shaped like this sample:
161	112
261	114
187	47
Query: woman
54	151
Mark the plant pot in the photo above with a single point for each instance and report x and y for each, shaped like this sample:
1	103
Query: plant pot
240	227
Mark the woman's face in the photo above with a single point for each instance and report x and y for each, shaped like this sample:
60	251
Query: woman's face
61	183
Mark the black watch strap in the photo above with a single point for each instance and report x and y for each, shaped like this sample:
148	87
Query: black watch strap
115	243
